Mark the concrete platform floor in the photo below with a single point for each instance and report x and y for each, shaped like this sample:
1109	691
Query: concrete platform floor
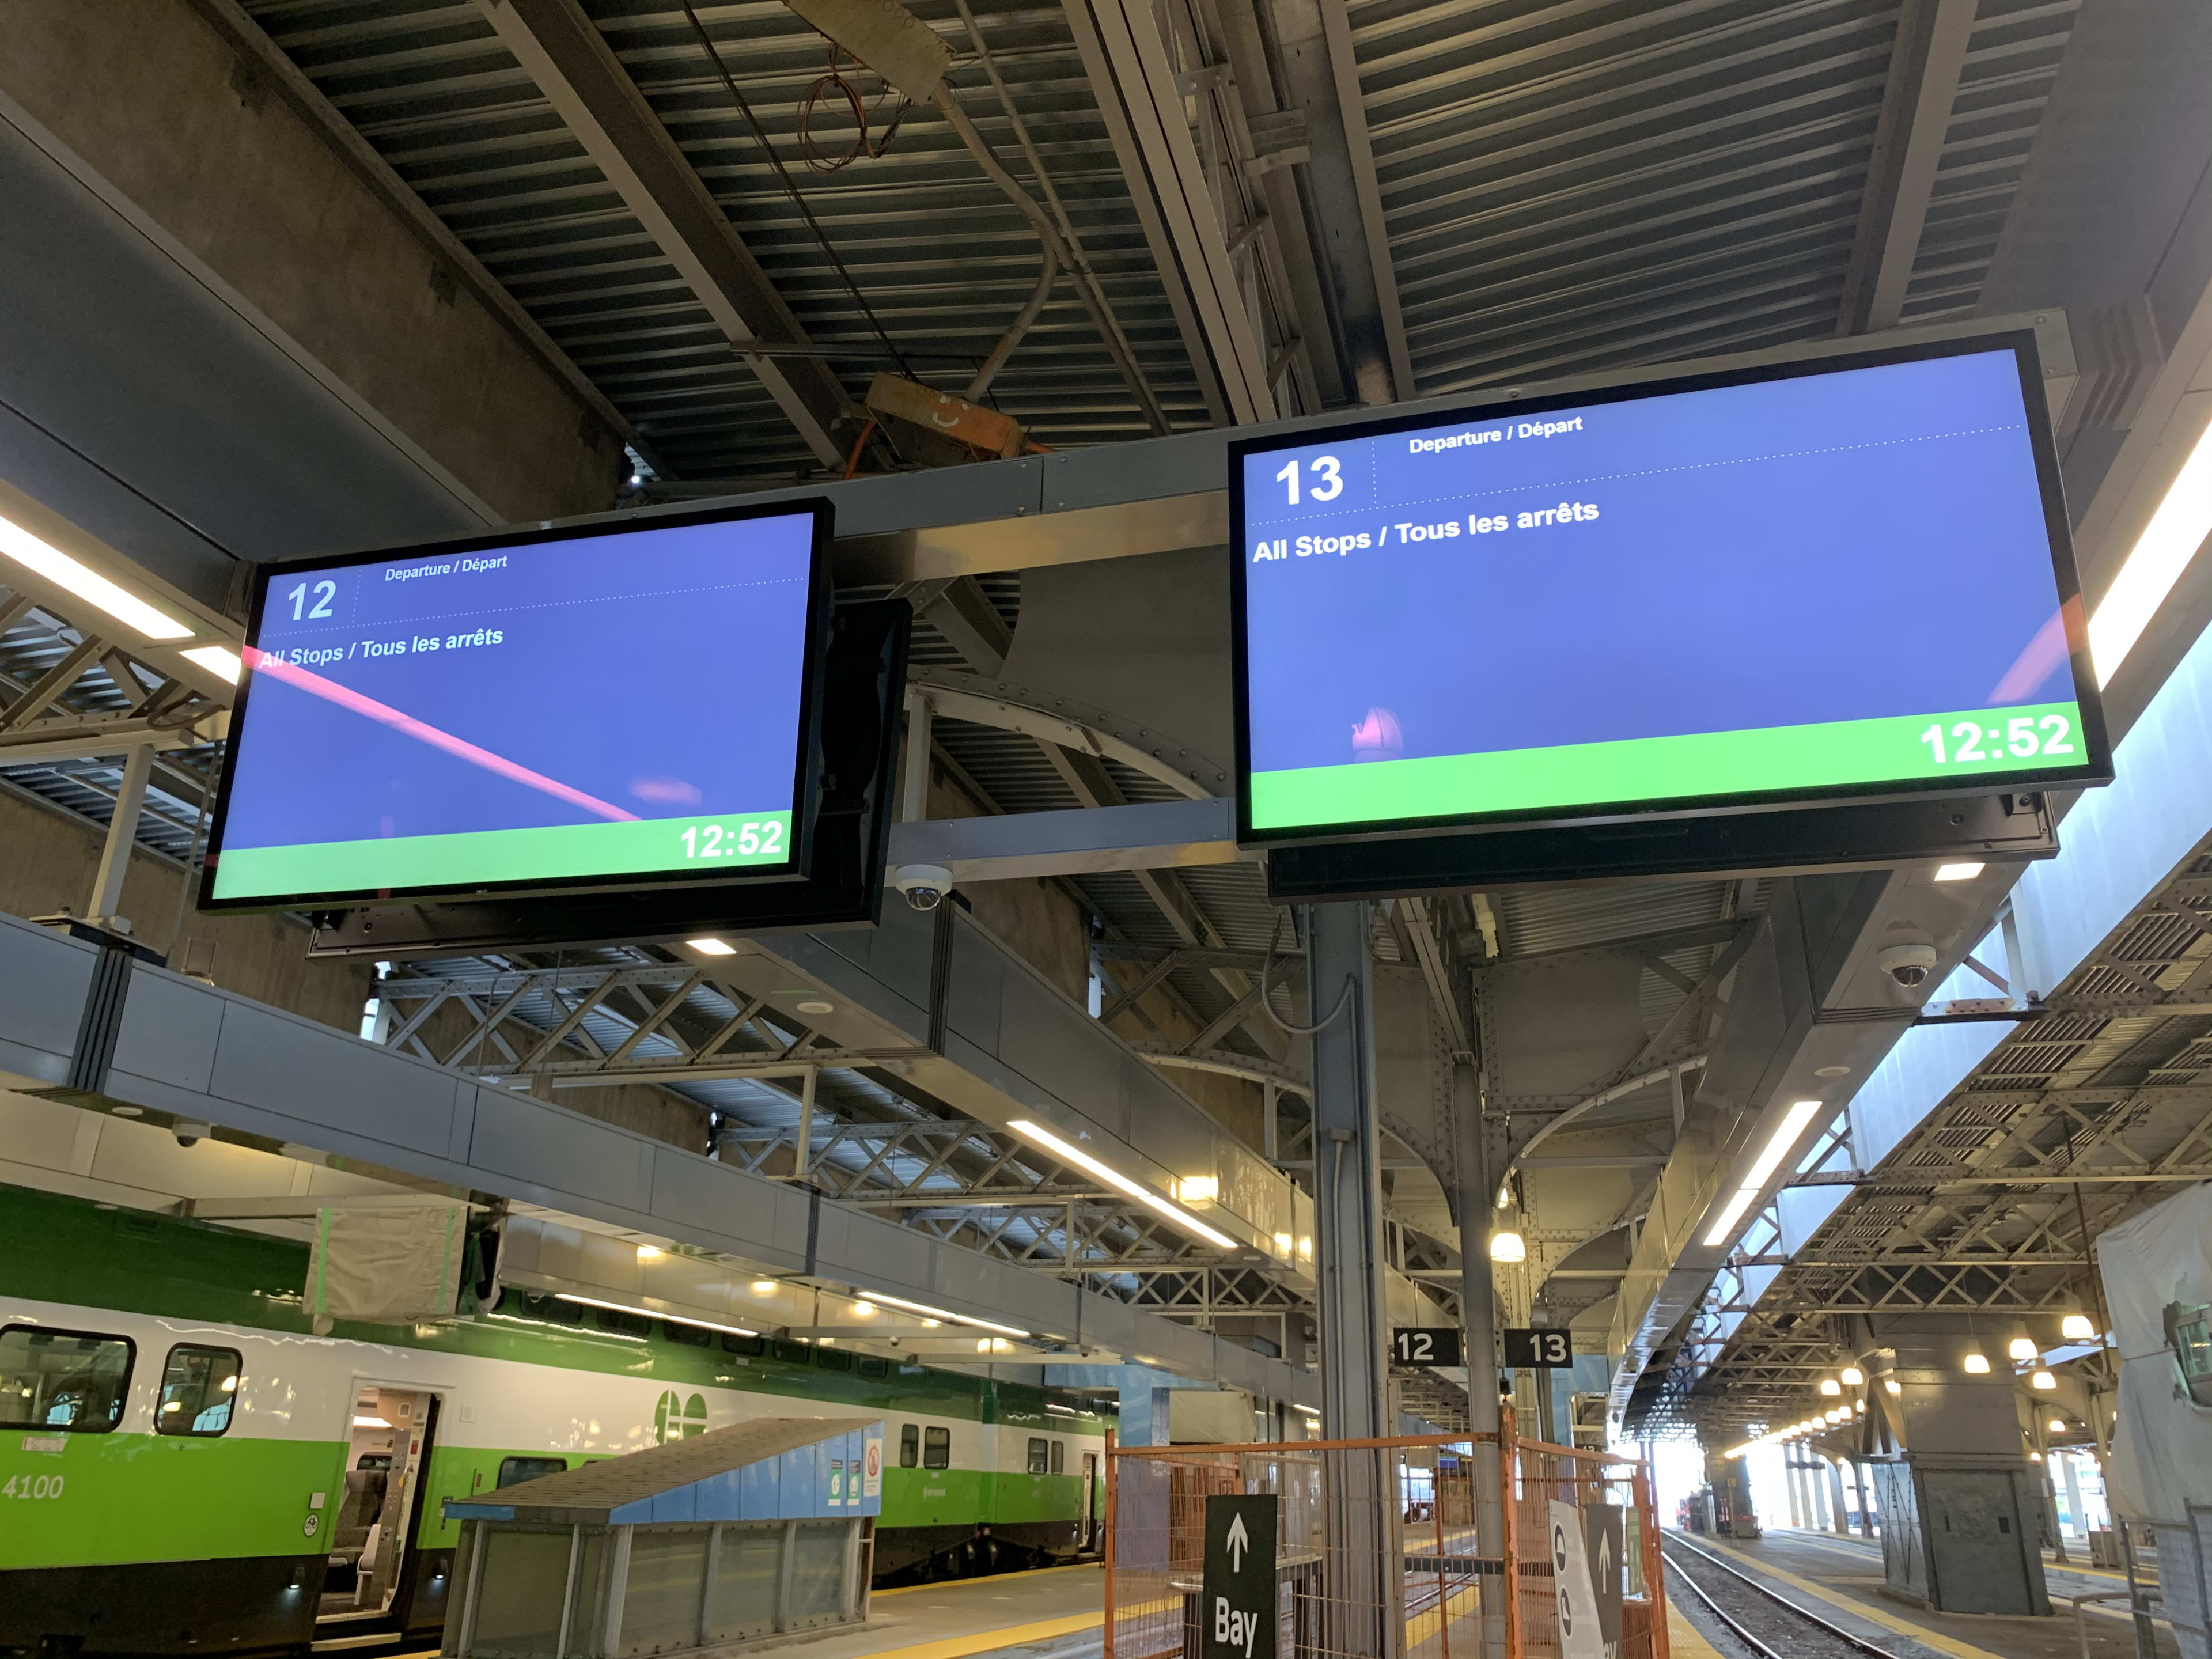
1840	1579
1055	1612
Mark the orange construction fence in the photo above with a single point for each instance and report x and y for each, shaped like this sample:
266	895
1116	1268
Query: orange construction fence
1383	1551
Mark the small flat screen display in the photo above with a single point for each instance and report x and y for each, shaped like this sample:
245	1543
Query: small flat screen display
1829	581
600	705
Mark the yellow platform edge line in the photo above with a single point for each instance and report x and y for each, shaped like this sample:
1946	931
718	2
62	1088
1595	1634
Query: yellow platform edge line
1923	1634
987	1578
1007	1636
1684	1639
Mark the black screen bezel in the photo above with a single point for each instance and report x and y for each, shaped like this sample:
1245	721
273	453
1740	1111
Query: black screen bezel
2094	766
805	781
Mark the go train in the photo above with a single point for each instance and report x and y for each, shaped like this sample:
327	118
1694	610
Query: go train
185	1468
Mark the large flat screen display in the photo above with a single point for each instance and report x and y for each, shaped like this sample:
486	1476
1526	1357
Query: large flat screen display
605	704
1838	580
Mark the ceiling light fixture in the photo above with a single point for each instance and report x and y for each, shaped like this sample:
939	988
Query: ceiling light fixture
764	1287
1113	1177
2058	1425
929	1312
1957	871
712	947
1854	1377
370	1422
2021	1347
815	1005
1506	1245
2076	1327
219	660
1830	1387
2042	1382
1777	1145
1977	1364
2164	549
642	1313
87	584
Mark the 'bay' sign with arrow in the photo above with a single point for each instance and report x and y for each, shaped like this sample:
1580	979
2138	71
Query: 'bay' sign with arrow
1236	1613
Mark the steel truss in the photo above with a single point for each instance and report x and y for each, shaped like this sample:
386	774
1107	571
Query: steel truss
2093	1110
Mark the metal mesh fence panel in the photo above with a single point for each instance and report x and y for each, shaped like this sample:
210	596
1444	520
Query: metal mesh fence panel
1383	1550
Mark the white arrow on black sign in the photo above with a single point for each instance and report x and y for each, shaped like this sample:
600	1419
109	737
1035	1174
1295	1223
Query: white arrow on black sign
1239	1541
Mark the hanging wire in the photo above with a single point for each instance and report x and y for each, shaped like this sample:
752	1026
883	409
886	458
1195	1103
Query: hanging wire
791	189
835	81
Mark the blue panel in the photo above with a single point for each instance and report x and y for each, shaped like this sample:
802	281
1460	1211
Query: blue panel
761	1490
632	1515
720	1497
680	1504
457	1510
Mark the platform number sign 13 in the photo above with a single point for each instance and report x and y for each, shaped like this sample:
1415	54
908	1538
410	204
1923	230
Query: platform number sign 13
1421	1346
1538	1349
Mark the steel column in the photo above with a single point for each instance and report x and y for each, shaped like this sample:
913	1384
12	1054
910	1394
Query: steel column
1348	1270
1478	1302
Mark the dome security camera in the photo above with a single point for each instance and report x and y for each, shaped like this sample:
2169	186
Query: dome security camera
189	1134
1908	964
924	884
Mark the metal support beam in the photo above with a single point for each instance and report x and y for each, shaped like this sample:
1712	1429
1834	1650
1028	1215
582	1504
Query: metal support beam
122	835
1925	65
564	53
1127	61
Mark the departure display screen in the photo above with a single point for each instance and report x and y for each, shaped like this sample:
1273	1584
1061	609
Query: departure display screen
603	705
1835	580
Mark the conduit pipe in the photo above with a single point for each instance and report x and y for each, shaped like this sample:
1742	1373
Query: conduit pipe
1056	249
1012	337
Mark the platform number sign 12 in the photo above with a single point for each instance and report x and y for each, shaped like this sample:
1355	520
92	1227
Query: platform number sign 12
1423	1345
1538	1349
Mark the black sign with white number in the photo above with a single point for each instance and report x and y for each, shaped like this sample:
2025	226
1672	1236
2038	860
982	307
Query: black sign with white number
1422	1346
1538	1349
1237	1607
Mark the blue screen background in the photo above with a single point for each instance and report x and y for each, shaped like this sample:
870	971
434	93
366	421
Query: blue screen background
659	671
1834	547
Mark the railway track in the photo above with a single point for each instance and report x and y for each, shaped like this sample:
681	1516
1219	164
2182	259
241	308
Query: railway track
1741	1602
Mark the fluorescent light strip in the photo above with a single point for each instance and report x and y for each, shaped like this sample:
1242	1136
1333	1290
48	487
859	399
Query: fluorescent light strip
1777	1145
928	1312
87	583
218	660
2164	549
647	1313
1113	1177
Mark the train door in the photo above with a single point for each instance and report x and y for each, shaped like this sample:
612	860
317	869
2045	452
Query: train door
1090	1503
387	1454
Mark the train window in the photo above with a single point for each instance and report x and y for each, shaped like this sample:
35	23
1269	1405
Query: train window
691	1336
1037	1457
74	1381
513	1471
795	1353
626	1324
937	1449
872	1366
834	1359
199	1386
751	1347
1060	1457
910	1445
521	1304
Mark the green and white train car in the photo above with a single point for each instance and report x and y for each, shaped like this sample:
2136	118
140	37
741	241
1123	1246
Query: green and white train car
185	1468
